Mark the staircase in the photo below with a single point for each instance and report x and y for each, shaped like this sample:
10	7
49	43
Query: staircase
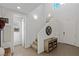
36	41
35	45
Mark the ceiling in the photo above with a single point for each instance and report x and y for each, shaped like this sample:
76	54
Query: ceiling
25	7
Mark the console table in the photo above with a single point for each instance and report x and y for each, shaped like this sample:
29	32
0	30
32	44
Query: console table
50	44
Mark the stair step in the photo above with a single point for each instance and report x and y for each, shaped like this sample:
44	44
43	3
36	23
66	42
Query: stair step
35	42
34	46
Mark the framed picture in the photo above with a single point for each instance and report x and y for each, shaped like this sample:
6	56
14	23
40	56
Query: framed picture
48	30
16	29
6	20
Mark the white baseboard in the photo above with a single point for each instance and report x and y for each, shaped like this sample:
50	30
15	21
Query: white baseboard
69	43
17	43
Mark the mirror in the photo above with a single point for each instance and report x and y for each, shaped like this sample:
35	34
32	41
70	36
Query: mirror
48	30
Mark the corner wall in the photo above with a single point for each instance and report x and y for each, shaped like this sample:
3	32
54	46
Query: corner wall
68	16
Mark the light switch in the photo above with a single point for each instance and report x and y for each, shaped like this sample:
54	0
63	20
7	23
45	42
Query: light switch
63	33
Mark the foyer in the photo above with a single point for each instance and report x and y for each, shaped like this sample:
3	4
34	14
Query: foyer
39	29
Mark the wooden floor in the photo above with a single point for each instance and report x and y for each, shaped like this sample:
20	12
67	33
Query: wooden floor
61	50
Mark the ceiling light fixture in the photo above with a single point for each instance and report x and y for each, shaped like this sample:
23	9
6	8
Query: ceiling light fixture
18	7
49	15
35	16
61	3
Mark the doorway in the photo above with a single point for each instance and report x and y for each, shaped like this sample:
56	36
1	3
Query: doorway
19	31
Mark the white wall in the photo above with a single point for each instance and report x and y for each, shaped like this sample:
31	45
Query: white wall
26	33
23	40
77	24
0	12
67	16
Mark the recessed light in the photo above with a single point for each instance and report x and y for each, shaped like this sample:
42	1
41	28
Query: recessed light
35	16
18	7
61	3
49	15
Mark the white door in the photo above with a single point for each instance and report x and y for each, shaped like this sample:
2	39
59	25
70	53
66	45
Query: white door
17	33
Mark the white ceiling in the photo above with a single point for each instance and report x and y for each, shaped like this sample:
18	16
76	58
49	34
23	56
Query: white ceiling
25	7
